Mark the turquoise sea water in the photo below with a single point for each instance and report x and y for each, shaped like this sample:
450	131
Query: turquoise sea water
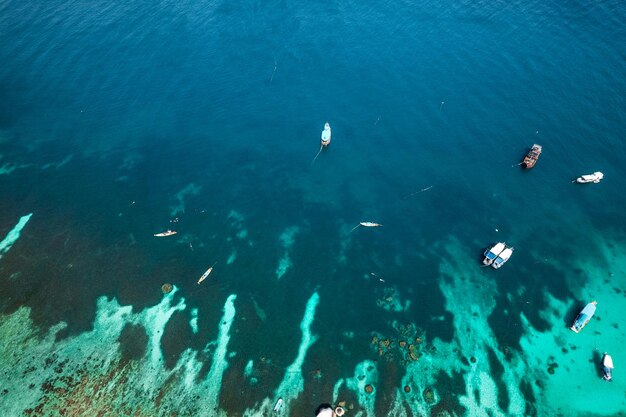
119	120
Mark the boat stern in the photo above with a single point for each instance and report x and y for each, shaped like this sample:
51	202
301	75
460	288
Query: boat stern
581	321
489	257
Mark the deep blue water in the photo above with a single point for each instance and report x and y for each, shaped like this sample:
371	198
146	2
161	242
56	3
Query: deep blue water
108	110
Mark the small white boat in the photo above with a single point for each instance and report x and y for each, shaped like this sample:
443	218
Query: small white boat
584	316
326	410
370	224
607	367
326	135
492	253
206	274
595	178
502	257
365	224
166	233
278	405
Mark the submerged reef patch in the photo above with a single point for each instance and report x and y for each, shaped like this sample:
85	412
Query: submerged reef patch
96	372
287	239
391	300
13	235
179	207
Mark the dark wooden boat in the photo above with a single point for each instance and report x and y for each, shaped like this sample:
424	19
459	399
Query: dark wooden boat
531	157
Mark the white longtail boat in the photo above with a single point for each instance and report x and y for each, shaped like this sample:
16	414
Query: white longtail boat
370	224
326	134
365	224
206	274
278	405
166	233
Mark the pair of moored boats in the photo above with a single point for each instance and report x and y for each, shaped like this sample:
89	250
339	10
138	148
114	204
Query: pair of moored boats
532	157
497	255
579	323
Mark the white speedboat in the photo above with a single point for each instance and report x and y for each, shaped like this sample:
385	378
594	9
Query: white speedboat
278	405
502	257
492	253
326	135
166	233
584	316
607	367
595	178
325	410
206	274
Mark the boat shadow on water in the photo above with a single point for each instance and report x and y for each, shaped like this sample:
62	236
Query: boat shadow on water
572	312
596	357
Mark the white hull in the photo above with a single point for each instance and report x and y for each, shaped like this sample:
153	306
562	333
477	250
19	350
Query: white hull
595	178
607	367
492	253
278	405
502	258
326	134
584	316
206	274
167	233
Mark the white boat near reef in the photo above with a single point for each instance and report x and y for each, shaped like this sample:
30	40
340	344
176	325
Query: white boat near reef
326	134
166	233
607	367
325	410
502	257
584	316
370	224
278	405
586	179
492	253
206	274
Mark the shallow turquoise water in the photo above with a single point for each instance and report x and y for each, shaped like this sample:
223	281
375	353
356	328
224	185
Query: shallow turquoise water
120	120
